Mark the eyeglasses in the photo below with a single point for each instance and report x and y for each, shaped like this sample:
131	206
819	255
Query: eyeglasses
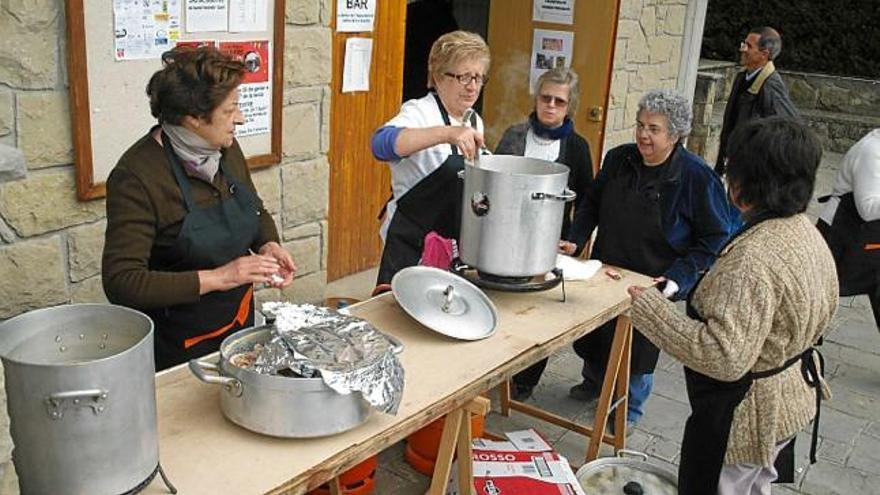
548	99
745	45
652	130
465	79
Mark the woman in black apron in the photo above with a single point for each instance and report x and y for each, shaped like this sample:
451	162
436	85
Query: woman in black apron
850	221
187	236
660	211
426	145
753	376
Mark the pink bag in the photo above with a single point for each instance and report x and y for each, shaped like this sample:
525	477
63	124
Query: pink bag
438	251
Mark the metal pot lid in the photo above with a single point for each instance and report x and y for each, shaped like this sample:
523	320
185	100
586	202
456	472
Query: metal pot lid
626	475
445	302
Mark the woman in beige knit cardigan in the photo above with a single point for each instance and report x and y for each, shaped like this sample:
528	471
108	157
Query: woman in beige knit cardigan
753	377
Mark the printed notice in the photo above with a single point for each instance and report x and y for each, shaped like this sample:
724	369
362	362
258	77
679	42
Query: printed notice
355	16
255	93
556	11
145	28
248	15
356	68
550	49
206	15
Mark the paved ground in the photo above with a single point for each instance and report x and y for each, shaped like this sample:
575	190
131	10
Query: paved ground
849	445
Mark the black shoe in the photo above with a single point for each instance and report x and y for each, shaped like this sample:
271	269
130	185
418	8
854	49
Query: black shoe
611	422
584	392
521	393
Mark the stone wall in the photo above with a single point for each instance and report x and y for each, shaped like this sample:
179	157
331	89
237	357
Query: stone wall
51	243
647	56
840	109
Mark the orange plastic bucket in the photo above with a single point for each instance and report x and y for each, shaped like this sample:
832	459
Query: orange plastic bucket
359	480
422	446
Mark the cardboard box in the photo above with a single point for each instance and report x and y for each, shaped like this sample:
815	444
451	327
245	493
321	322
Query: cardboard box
525	464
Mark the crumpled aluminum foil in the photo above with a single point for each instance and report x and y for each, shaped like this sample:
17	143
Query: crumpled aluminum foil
348	353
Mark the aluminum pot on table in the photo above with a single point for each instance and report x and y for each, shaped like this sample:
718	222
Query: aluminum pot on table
277	405
81	398
512	211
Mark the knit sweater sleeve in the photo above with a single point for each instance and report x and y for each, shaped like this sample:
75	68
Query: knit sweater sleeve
737	308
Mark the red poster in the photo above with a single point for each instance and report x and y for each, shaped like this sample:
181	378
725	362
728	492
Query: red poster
254	54
197	43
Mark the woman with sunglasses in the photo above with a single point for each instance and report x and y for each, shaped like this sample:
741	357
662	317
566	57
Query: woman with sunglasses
660	211
549	134
425	145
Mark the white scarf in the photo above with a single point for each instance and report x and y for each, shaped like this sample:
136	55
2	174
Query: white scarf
200	159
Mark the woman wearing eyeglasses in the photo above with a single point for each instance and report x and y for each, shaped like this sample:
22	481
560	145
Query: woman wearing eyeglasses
661	211
425	145
549	134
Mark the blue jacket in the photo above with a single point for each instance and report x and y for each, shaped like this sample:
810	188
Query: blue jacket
696	216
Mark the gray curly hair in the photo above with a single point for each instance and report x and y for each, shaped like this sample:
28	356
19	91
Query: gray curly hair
672	105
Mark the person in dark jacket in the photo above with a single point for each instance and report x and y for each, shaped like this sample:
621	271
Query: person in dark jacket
187	235
549	134
660	211
758	90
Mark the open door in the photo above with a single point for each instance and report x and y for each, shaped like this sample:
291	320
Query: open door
506	98
359	185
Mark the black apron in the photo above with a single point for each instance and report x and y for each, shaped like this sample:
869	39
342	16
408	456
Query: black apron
631	237
713	403
432	204
209	237
854	244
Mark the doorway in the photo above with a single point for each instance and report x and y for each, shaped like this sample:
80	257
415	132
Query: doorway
359	185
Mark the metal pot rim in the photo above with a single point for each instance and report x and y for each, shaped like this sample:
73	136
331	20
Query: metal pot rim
250	375
637	464
5	351
487	165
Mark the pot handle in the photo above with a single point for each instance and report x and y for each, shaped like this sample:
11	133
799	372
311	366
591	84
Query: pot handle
632	453
566	196
58	402
200	369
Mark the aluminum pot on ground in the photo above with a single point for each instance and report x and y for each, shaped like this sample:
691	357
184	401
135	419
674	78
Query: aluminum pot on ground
629	473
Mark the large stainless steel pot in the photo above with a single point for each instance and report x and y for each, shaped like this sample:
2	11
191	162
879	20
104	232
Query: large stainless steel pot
278	405
81	397
512	215
609	475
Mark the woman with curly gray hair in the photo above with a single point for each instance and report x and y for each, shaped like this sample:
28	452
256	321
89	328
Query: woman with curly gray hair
661	211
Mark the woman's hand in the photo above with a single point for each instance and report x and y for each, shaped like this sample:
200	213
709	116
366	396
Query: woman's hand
286	266
566	247
635	291
249	269
468	141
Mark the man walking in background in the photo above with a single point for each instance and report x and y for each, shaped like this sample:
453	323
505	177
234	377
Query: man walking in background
758	90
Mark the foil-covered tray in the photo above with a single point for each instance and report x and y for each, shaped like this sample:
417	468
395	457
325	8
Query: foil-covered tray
347	352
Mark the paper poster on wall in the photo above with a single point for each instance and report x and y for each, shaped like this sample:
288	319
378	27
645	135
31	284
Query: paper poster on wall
550	49
255	94
356	68
556	11
145	28
248	15
355	16
206	15
196	43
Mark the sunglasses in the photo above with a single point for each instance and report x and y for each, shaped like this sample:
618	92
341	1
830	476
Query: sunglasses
555	100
